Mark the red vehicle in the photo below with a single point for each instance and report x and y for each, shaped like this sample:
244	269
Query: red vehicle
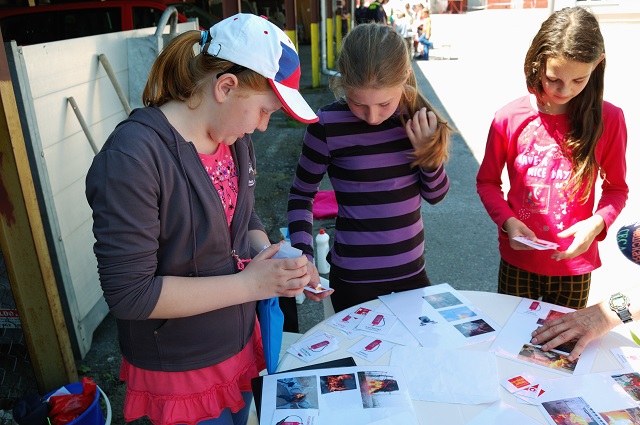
61	21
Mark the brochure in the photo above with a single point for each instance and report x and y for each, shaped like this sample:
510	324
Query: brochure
438	316
348	395
514	341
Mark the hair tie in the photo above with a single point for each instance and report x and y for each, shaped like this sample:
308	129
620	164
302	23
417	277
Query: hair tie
205	39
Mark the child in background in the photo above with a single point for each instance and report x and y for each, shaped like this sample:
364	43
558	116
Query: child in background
423	35
555	142
383	147
172	193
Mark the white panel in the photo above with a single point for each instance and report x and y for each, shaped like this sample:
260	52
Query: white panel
73	209
69	160
67	61
57	120
84	268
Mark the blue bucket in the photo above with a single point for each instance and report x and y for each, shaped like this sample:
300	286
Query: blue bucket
93	415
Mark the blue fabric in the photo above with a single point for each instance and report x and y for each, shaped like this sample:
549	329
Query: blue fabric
271	324
628	237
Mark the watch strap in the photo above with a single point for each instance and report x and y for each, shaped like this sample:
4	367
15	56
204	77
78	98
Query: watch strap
625	315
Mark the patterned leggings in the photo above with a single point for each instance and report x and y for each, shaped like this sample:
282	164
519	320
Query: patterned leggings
567	291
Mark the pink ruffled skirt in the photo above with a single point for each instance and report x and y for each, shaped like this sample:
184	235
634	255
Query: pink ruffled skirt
169	398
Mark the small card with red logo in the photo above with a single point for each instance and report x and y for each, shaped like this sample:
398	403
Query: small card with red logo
349	319
536	244
317	345
518	382
377	322
370	348
323	286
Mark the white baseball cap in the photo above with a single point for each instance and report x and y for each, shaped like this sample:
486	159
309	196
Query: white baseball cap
255	43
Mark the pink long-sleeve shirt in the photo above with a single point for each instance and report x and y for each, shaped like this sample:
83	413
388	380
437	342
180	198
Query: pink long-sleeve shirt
529	142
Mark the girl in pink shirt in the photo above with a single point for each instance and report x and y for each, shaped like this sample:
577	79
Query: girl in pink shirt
555	143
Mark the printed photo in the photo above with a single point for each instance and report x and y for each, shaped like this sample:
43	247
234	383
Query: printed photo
552	315
566	347
297	393
572	411
333	383
442	300
551	359
457	313
377	389
630	382
474	328
622	417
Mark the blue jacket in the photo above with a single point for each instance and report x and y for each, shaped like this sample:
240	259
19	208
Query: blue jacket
156	213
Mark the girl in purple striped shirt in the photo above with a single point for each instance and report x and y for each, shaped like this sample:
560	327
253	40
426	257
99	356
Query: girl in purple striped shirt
384	148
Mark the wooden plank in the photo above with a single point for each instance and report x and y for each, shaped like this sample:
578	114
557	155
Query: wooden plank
26	252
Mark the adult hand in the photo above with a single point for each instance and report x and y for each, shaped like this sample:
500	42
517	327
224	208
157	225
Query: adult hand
583	232
584	325
515	227
313	282
421	128
278	277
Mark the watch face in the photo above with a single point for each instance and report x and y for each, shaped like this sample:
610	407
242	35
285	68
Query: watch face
618	302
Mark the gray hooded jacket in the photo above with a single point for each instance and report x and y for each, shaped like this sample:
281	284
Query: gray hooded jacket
156	213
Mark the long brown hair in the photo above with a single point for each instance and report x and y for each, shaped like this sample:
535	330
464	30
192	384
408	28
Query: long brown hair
573	34
178	73
374	55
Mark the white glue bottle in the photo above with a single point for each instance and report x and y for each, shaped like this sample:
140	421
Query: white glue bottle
322	249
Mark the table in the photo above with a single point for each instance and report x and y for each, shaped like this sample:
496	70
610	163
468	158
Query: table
499	308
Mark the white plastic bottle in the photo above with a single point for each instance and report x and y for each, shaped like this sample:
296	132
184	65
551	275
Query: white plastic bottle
322	249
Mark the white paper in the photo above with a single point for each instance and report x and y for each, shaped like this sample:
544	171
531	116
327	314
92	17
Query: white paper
514	341
449	376
502	414
629	357
439	316
352	395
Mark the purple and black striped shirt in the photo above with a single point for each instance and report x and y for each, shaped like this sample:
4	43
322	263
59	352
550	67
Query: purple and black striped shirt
379	234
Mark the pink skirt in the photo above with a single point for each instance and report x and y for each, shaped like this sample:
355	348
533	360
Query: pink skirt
169	398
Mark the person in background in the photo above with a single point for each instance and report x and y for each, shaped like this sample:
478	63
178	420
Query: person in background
384	148
595	321
555	142
422	37
402	25
172	194
376	12
361	11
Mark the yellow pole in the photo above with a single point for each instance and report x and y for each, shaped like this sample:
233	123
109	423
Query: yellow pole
293	35
330	51
315	54
338	33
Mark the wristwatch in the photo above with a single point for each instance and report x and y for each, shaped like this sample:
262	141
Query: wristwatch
620	304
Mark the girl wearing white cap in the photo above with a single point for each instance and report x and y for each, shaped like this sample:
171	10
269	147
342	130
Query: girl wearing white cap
175	227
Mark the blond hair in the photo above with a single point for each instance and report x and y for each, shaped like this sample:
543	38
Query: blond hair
375	56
